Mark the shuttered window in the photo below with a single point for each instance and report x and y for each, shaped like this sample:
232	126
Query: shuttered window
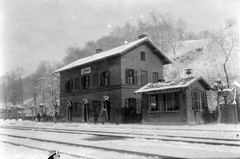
77	84
155	77
69	86
85	81
131	76
105	76
95	80
144	79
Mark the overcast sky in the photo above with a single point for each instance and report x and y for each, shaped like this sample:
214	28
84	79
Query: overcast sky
36	30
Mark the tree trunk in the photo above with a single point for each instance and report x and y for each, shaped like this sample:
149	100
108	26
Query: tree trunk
219	110
226	74
173	48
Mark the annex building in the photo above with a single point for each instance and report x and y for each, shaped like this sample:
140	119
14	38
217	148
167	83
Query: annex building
177	102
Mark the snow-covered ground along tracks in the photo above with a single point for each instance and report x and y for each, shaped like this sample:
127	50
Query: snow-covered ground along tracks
227	138
143	141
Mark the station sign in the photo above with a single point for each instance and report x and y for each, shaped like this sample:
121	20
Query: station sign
85	70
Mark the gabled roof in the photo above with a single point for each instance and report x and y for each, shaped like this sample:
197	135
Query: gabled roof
115	51
179	83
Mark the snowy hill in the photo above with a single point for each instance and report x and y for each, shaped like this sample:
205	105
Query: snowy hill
204	58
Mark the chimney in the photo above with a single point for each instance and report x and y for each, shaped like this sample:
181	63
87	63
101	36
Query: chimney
161	80
99	50
143	35
188	73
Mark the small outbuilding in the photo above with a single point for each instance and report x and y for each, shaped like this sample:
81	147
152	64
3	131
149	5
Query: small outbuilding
178	102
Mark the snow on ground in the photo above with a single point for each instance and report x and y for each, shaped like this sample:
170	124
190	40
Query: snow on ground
218	130
9	151
154	145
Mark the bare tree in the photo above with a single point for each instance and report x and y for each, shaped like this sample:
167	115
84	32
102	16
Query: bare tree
180	28
5	82
163	26
12	87
226	41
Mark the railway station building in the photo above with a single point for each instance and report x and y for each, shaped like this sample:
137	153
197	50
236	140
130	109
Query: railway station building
117	74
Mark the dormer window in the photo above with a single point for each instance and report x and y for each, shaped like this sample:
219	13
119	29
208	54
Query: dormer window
143	56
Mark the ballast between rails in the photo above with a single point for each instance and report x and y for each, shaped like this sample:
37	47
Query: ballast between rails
82	145
178	138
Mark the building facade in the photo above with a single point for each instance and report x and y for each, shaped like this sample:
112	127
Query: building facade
116	73
178	102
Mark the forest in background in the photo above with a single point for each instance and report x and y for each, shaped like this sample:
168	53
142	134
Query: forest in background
210	53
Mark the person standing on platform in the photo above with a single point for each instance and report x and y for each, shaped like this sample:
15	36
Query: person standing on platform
95	116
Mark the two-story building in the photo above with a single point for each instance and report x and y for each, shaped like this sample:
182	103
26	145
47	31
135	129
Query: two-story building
116	73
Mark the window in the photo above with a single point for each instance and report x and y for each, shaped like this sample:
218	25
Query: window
155	77
196	100
77	84
69	85
104	78
132	106
164	102
144	77
95	80
85	82
154	103
143	56
131	76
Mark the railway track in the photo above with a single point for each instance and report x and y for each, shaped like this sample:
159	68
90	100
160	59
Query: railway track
108	151
106	133
149	136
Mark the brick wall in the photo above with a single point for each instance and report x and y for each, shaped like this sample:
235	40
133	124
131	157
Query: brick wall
171	117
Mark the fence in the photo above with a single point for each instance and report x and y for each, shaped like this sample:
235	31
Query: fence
230	113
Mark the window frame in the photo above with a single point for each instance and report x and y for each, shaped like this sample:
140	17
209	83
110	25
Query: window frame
144	77
172	105
105	78
143	56
131	76
153	101
85	82
77	84
95	80
69	85
198	100
155	77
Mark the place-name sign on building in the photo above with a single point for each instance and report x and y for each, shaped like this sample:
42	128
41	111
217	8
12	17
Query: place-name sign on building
85	70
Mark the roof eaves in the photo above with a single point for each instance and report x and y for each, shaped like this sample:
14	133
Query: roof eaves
120	52
62	69
143	89
161	52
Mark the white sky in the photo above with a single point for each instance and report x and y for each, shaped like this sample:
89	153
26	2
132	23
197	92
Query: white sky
32	31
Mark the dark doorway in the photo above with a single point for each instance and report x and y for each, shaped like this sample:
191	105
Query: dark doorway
86	112
133	113
107	106
70	114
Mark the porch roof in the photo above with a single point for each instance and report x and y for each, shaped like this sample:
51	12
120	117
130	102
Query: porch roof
178	83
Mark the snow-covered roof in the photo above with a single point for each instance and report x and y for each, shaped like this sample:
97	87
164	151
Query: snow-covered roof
115	51
179	83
